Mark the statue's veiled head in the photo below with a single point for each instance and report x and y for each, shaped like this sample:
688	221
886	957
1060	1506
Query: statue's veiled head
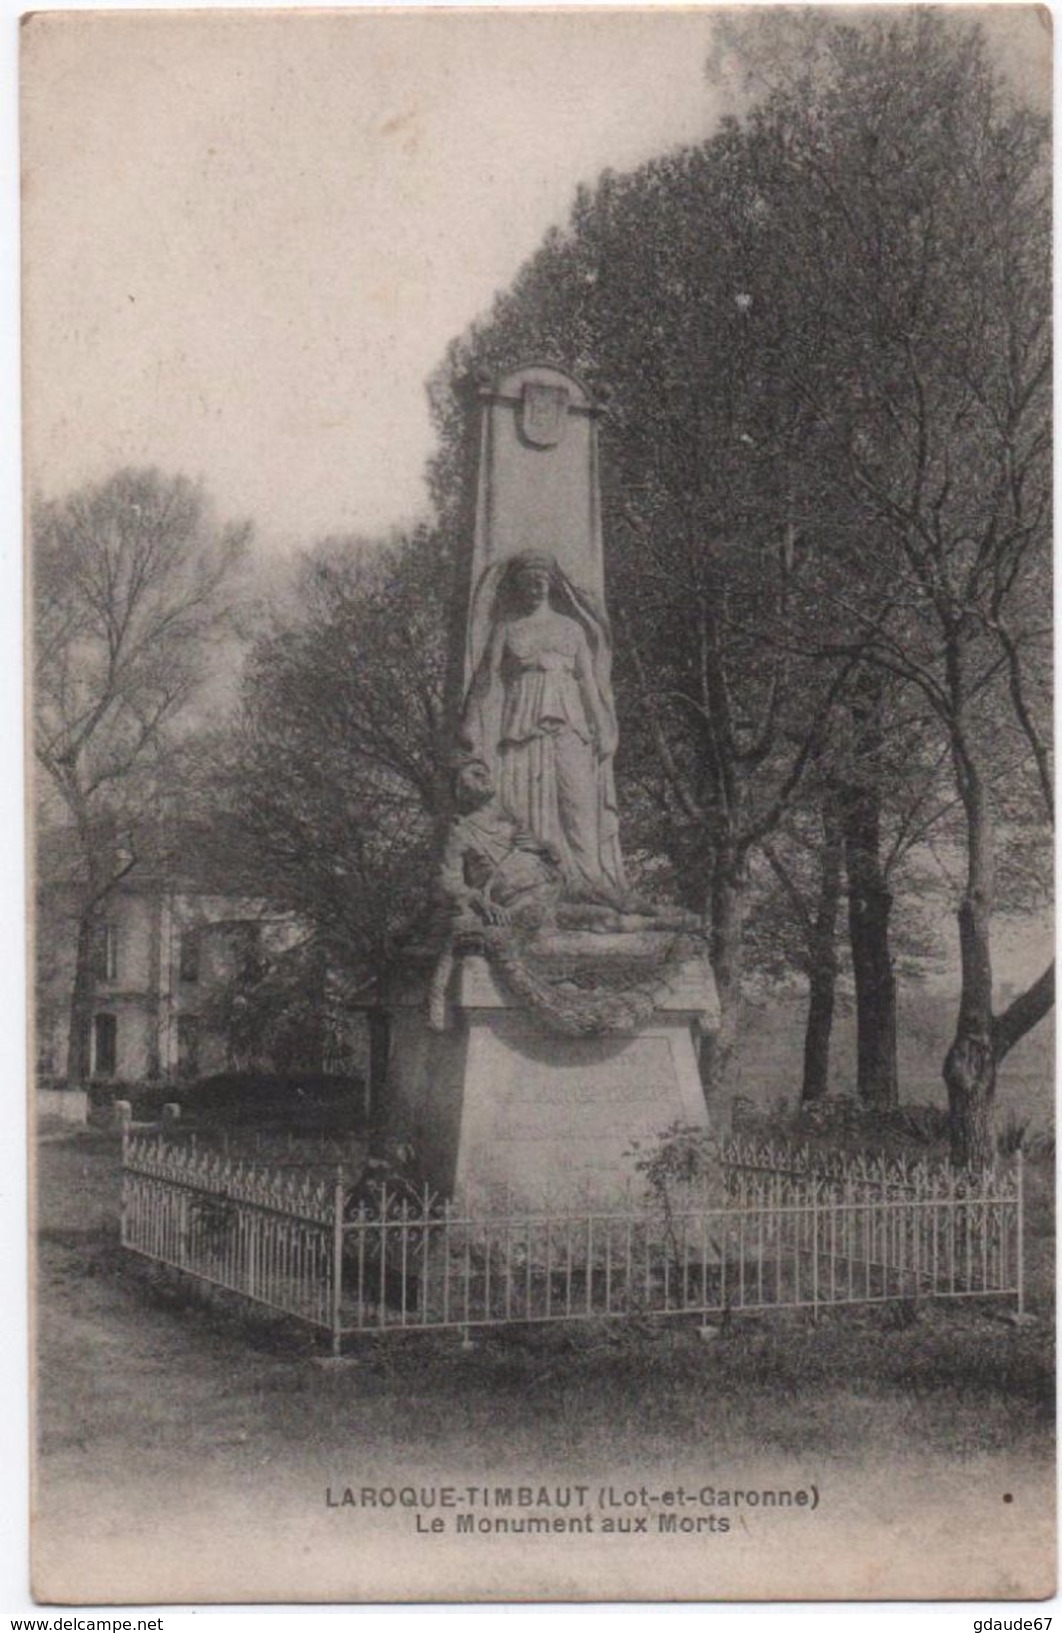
529	578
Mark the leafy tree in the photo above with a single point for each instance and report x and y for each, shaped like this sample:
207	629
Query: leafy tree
825	333
337	780
130	587
905	193
890	878
811	879
277	1012
708	558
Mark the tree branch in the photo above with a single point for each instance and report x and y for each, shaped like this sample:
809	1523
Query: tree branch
1023	1014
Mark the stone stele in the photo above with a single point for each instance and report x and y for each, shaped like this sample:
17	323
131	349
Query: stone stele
506	1098
538	485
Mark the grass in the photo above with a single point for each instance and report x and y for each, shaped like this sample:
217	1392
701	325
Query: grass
147	1397
768	1062
642	1380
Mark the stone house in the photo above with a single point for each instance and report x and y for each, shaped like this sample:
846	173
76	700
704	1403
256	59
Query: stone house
167	953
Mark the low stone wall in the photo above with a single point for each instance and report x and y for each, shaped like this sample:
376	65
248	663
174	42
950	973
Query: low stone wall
69	1105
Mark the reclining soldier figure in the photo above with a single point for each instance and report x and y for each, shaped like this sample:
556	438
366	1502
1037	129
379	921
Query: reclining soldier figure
494	872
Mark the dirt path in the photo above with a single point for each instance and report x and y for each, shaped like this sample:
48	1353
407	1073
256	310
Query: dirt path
184	1455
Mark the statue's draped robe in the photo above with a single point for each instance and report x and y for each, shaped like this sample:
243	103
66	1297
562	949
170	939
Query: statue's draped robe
536	714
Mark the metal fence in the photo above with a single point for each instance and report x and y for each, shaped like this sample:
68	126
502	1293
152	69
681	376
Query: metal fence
766	1230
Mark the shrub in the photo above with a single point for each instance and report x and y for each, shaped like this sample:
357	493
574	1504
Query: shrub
1016	1135
295	1100
681	1166
842	1122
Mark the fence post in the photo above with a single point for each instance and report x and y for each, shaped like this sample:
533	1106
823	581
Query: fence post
337	1263
1019	1174
814	1251
123	1207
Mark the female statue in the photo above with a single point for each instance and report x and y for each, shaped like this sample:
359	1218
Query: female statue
539	713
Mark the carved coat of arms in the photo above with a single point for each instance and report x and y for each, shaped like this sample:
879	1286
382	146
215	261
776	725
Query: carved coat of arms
543	413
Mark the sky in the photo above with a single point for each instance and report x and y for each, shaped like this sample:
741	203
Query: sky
248	238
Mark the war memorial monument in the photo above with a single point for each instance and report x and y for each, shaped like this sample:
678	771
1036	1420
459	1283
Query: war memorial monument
553	1016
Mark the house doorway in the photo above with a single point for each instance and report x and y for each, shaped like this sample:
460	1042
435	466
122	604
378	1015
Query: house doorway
105	1052
187	1046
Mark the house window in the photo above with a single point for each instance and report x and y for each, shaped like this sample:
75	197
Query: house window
106	1045
245	942
187	1045
189	955
107	952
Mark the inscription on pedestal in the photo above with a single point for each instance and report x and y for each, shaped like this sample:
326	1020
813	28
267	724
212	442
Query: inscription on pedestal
560	1124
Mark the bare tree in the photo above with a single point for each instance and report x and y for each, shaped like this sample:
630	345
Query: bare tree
129	581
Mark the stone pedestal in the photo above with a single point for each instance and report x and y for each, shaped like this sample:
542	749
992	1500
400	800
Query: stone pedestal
503	1111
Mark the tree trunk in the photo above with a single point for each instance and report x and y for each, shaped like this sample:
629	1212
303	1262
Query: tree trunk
869	910
379	1024
970	1076
79	1047
870	907
817	1035
157	910
822	963
982	1041
725	952
970	1064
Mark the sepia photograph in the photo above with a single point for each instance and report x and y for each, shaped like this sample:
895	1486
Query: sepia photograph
538	556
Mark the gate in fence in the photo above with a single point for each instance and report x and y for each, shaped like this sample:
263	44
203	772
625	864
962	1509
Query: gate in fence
773	1231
